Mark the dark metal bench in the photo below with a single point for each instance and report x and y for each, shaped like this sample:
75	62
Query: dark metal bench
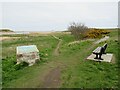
99	51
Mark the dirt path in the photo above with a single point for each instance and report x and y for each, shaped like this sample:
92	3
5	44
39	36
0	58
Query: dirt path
57	51
52	79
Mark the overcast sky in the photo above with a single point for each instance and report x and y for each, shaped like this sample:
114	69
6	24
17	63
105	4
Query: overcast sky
47	16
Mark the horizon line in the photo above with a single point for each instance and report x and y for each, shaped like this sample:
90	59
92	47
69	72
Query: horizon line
54	30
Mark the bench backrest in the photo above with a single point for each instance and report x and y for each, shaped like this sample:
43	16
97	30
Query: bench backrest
102	50
104	46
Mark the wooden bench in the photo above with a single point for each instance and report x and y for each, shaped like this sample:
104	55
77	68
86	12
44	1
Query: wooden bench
99	51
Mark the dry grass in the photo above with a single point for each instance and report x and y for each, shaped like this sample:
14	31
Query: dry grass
8	38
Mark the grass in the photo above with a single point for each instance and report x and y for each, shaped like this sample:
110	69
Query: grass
81	73
44	44
76	71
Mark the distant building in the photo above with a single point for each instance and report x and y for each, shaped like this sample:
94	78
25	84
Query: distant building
29	54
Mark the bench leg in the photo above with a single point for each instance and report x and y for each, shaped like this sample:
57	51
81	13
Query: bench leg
96	56
100	56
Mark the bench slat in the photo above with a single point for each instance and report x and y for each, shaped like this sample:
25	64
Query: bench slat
97	50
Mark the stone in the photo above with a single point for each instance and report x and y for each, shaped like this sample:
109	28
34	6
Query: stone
106	57
29	54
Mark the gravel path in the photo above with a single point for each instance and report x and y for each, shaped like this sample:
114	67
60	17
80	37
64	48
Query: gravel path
102	39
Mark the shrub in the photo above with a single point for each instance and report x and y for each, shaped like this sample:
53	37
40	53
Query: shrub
10	68
96	33
21	65
42	54
5	30
78	30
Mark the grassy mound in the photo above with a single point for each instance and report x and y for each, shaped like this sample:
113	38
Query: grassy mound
6	30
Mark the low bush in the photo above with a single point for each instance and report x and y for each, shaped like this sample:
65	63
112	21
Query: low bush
9	68
96	33
78	30
20	66
6	30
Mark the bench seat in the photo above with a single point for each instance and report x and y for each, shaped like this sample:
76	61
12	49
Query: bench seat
97	50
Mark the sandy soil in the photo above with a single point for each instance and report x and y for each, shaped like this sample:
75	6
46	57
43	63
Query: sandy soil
47	33
8	38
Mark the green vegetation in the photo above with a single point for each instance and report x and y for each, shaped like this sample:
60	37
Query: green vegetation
5	30
78	30
76	71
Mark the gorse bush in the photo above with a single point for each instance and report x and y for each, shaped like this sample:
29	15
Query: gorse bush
96	33
80	31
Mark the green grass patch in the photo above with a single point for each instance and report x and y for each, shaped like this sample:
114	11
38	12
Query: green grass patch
76	71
